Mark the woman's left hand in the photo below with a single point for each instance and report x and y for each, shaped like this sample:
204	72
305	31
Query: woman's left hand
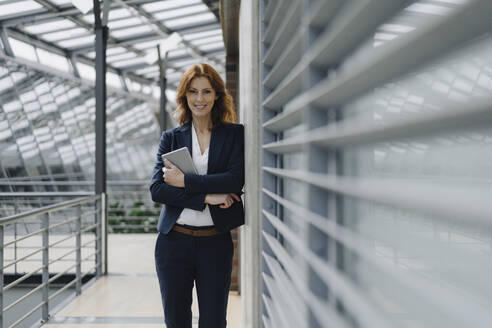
172	175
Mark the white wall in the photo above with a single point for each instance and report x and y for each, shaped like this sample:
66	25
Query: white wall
250	117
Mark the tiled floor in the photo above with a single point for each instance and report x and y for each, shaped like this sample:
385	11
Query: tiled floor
129	295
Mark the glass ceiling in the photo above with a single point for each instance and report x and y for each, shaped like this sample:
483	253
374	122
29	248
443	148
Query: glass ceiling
54	32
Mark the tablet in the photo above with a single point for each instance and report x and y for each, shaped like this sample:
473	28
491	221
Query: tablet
182	159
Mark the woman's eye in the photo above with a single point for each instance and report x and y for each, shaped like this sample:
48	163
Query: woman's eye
192	91
207	91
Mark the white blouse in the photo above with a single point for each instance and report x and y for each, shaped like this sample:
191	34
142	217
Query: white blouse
189	216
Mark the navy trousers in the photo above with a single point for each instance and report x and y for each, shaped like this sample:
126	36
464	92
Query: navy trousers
182	260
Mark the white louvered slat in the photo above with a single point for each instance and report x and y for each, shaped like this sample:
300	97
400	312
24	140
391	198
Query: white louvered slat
277	16
270	8
370	217
346	133
324	313
397	58
350	27
288	27
470	205
362	248
289	315
345	289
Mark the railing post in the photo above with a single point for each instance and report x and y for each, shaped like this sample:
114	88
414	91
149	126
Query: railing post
1	275
16	206
45	222
15	247
78	251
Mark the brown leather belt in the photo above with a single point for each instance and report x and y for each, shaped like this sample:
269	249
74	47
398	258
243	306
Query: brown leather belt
196	233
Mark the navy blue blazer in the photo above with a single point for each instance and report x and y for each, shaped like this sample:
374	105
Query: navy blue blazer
225	174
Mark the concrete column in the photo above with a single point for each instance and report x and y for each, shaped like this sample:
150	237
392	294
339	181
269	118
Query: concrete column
232	78
250	116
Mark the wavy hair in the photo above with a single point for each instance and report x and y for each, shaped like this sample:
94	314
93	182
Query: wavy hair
223	110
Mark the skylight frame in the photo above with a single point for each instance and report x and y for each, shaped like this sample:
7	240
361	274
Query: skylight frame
168	5
178	13
195	20
11	9
81	45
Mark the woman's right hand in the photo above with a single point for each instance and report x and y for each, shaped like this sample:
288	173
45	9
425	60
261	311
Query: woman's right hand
224	200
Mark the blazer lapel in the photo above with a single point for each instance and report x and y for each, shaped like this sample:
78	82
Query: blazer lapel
184	137
216	141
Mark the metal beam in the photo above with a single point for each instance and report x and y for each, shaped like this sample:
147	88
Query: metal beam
213	6
64	75
162	84
100	90
73	65
39	16
170	61
5	41
33	40
161	28
140	24
45	16
53	8
121	42
79	22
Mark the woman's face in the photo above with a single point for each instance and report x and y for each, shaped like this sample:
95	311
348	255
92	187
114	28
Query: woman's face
200	97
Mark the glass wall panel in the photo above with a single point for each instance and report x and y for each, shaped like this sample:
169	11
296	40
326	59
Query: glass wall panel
47	131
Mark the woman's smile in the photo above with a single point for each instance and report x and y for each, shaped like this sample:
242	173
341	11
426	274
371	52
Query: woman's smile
200	97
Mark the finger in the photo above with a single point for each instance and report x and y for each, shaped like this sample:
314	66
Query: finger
236	197
169	164
226	203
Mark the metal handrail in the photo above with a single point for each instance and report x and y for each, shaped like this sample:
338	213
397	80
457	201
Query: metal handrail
21	279
71	183
61	290
21	259
62	223
23	237
46	194
25	316
45	214
47	209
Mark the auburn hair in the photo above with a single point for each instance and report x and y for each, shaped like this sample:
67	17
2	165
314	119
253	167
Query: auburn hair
223	109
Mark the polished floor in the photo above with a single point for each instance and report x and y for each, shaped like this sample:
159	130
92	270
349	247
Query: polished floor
129	295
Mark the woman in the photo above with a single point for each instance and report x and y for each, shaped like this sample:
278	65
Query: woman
194	244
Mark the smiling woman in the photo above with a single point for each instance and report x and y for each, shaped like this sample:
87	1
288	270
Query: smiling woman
204	77
200	97
194	245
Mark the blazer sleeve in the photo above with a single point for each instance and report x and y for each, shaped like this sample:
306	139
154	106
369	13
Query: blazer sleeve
163	193
231	181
